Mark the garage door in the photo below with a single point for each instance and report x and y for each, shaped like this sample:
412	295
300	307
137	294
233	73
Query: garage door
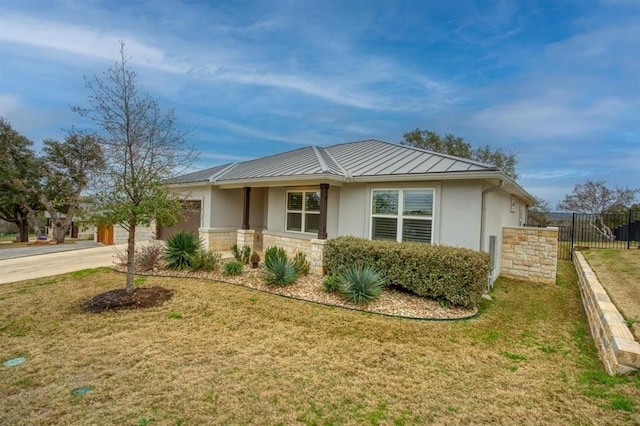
190	221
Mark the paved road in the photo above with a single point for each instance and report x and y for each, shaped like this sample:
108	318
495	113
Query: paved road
34	250
62	262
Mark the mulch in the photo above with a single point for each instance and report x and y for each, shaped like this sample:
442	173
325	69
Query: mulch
140	298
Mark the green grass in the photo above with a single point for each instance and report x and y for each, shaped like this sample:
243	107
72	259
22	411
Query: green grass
223	354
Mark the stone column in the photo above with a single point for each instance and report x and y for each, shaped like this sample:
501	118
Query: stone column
317	256
245	237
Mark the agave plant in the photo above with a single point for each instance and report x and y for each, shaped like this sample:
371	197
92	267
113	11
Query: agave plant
181	248
279	271
361	284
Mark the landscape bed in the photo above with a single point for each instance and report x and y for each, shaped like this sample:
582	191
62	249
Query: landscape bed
218	353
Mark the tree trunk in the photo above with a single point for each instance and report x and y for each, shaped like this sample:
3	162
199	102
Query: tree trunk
131	251
60	230
23	230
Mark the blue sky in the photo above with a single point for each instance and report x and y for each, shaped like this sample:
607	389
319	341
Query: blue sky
556	81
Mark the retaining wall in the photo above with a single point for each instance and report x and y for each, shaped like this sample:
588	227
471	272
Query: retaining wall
618	350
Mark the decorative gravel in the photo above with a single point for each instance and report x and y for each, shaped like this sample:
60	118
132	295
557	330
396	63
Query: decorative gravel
391	302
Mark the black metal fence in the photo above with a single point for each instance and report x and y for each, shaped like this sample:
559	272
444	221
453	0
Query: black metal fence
621	231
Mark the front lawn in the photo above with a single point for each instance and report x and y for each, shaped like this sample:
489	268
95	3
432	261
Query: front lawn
222	354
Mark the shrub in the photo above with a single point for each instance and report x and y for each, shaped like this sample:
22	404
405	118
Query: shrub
181	248
301	264
450	275
146	258
279	272
149	256
331	283
205	260
241	255
361	284
274	252
232	267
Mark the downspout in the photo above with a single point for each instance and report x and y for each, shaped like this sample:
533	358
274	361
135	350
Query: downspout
482	226
482	210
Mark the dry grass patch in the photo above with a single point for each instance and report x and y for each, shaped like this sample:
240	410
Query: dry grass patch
619	273
222	354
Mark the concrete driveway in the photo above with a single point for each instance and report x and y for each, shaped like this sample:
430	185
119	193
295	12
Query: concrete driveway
62	262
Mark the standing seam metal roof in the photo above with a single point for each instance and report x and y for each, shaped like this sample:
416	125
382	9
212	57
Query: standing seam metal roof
351	159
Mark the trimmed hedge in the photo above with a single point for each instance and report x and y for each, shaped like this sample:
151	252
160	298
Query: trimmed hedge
450	275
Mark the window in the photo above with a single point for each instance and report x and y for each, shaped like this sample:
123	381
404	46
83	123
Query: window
303	211
402	214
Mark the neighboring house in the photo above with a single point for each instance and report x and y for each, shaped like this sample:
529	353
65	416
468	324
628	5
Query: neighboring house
370	189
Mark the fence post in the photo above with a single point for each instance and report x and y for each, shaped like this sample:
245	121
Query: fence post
573	230
629	230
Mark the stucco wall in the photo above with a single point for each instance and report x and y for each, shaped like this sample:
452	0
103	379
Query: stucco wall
226	208
460	214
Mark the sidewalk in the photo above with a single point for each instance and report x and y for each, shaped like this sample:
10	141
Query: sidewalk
45	265
34	250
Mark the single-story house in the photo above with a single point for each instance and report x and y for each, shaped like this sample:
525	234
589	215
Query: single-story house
369	189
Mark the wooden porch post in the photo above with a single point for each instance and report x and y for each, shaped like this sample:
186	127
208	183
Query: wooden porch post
324	192
245	207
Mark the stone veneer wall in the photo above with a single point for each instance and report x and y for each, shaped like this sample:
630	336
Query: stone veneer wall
618	350
530	253
314	249
218	240
249	237
121	235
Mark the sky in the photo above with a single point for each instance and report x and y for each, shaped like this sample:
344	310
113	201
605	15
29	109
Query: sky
556	81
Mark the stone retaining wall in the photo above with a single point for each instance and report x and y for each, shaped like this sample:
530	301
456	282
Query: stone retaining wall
618	350
530	253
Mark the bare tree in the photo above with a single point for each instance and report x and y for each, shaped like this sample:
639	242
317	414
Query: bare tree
142	147
597	199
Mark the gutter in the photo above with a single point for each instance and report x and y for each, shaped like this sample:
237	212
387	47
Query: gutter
482	210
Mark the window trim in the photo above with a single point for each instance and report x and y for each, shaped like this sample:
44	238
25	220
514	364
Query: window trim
303	212
400	216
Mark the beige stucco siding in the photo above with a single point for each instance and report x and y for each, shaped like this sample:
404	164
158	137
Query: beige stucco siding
459	216
501	209
226	208
353	215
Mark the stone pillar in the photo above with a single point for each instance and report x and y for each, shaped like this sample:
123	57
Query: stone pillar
317	256
245	237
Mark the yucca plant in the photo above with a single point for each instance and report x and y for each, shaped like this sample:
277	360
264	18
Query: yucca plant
181	248
361	284
274	252
232	267
279	271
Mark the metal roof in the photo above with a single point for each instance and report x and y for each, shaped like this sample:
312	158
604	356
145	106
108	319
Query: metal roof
343	161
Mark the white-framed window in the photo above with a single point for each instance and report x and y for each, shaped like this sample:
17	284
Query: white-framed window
303	211
402	214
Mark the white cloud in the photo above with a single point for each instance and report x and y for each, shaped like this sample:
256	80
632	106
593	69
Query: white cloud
77	40
9	103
